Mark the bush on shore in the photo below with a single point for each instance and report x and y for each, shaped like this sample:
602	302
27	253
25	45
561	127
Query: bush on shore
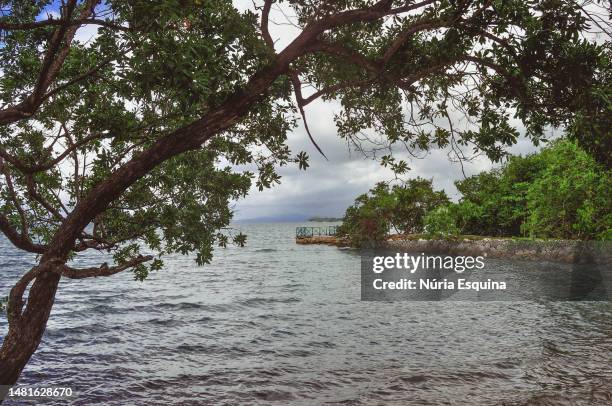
560	192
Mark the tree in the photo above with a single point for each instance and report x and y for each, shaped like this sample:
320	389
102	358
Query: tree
413	200
402	207
440	223
571	197
366	223
559	192
119	143
498	197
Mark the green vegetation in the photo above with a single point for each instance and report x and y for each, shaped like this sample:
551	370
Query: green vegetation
401	207
440	223
136	141
560	192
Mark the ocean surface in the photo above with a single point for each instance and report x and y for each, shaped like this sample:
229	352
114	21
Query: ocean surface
280	323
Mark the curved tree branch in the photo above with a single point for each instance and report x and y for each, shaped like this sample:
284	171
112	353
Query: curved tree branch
19	240
52	22
297	87
265	17
58	49
103	270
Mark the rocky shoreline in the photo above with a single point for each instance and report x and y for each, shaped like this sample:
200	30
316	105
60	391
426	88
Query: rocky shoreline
323	239
566	251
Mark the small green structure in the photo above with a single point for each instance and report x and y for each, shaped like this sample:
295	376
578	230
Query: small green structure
305	232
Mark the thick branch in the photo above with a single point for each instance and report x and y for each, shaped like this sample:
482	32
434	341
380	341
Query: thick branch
19	240
16	294
104	270
59	22
265	17
51	65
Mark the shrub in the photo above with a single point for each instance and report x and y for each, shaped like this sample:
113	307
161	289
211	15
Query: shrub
412	201
560	192
572	197
368	221
441	223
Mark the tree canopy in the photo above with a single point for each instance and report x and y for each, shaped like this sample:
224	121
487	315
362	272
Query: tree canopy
128	140
560	192
400	208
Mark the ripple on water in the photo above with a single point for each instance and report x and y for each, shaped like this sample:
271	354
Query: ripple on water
277	323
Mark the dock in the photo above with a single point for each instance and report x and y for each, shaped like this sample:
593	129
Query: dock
319	235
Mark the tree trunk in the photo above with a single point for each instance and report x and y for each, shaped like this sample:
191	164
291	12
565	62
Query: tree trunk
26	331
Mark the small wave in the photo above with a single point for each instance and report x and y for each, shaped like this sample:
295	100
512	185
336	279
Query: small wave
165	322
413	378
191	348
297	353
281	333
106	309
219	350
189	306
74	332
316	385
181	306
321	344
477	376
269	372
265	300
273	395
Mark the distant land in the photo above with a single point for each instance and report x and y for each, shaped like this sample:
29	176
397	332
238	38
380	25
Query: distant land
287	218
283	218
325	219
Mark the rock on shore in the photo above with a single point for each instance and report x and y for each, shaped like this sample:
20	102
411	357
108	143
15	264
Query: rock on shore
568	251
